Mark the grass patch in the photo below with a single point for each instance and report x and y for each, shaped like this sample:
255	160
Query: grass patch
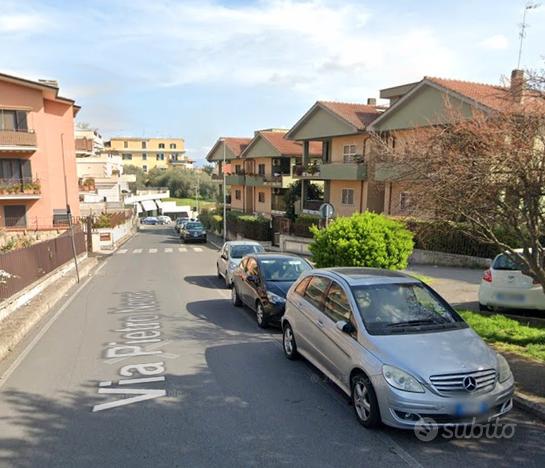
207	204
508	334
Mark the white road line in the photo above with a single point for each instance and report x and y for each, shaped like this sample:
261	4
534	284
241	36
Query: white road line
137	251
43	331
182	249
197	249
152	250
122	251
168	250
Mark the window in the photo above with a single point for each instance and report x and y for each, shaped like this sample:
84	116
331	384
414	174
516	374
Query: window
239	251
300	288
405	201
161	146
337	306
238	170
347	197
237	194
15	169
173	146
283	269
261	197
145	168
125	144
325	151
160	156
13	120
261	169
144	156
315	292
15	215
349	153
60	217
126	156
144	144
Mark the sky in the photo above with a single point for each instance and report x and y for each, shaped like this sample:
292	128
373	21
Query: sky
209	68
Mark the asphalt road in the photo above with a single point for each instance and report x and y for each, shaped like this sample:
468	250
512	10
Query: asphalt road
219	392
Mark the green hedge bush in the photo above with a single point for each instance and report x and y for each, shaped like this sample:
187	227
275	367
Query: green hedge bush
249	226
364	240
302	224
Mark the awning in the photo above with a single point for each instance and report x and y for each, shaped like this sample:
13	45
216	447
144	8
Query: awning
138	208
148	205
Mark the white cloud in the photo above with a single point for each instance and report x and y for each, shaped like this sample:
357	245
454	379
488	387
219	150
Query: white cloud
17	23
496	42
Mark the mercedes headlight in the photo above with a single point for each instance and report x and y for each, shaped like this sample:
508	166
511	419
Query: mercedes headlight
504	371
401	380
275	298
231	266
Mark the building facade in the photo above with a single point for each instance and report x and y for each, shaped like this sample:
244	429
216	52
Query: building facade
150	153
38	176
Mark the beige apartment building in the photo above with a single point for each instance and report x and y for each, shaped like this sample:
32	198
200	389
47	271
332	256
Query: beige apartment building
150	153
345	162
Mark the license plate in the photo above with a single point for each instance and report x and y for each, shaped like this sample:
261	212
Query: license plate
510	297
471	408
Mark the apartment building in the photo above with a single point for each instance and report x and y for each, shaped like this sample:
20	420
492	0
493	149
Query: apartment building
150	153
229	149
345	162
431	101
38	176
269	163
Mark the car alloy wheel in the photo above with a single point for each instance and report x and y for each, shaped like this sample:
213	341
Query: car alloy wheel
288	341
365	401
260	316
235	298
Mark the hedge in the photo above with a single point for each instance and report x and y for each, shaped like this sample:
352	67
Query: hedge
249	226
302	224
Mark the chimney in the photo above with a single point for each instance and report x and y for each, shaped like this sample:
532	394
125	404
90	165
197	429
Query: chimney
517	85
371	101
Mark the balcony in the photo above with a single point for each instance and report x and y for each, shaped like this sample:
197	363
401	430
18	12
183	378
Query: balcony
235	179
310	171
390	172
217	178
18	140
25	188
344	171
255	180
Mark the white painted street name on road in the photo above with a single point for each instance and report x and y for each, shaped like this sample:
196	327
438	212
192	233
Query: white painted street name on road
140	327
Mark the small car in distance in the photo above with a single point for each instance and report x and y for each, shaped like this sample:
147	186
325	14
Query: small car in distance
261	282
193	231
504	285
179	223
400	352
150	220
162	219
231	255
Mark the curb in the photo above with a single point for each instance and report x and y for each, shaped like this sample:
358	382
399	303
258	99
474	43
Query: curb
524	403
28	315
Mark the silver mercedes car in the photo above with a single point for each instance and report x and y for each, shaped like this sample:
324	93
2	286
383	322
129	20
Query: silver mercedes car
398	349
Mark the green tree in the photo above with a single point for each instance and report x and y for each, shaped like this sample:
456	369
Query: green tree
364	240
293	194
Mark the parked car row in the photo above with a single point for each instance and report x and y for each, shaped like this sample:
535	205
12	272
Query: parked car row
153	220
398	350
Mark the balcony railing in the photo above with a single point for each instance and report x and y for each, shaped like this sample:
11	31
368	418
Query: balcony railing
310	171
16	187
19	138
344	171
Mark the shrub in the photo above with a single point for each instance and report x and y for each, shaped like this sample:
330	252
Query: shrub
249	226
364	240
303	223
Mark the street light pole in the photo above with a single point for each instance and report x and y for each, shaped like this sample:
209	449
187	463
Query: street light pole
224	194
68	211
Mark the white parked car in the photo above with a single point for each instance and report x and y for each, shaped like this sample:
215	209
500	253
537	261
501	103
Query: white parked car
230	256
504	285
164	219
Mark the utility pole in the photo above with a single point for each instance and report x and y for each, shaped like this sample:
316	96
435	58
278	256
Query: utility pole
224	193
523	26
68	211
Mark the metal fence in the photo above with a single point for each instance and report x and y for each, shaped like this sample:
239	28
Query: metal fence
20	268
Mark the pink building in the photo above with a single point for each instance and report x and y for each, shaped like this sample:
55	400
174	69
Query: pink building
36	134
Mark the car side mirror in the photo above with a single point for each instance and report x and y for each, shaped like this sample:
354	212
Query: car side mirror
345	327
224	256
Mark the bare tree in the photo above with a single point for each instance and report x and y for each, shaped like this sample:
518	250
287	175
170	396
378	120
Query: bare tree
487	171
